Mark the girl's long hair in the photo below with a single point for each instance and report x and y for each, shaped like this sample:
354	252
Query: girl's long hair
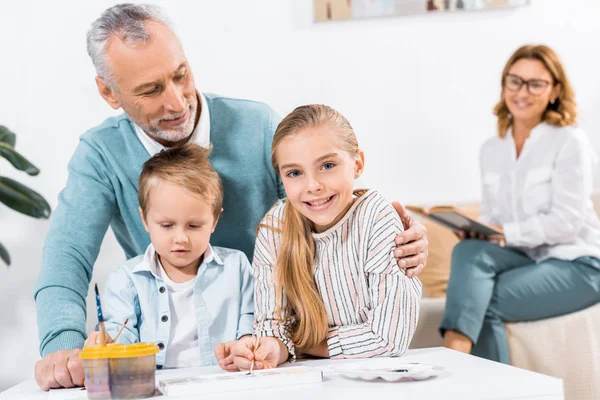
296	258
564	110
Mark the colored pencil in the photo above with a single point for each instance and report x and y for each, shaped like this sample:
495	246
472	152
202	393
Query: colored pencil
257	341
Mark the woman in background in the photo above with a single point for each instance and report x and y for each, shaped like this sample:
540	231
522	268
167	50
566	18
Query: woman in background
537	176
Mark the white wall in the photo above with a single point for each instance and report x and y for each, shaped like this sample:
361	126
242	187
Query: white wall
419	91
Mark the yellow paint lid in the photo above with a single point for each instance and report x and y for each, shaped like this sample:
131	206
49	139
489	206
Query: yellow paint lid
118	351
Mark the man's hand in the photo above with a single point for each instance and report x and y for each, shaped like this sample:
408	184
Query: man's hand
269	354
61	369
411	245
225	356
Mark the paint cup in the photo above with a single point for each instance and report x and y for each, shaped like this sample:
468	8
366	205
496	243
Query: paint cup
118	371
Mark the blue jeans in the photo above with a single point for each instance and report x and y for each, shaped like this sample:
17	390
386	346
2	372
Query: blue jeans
490	285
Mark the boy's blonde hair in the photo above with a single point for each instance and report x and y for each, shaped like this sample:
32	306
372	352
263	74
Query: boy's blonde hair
186	166
295	262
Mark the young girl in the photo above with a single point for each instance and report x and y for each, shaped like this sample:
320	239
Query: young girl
327	283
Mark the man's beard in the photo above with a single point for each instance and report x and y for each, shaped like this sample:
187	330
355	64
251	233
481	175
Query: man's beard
175	134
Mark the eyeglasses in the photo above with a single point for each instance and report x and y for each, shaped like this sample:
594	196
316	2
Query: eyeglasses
535	87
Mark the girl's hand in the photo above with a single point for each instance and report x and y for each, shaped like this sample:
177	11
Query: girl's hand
269	354
224	354
94	339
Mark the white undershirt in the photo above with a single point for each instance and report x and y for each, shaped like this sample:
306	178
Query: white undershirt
200	135
183	349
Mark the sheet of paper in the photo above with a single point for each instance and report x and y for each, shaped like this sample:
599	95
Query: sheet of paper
239	381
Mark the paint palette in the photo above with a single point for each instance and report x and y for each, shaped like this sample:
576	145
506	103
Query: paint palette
237	381
397	373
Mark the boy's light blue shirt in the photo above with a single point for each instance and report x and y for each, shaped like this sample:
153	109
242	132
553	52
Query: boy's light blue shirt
223	295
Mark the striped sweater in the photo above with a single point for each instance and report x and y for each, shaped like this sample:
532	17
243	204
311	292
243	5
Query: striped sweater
372	307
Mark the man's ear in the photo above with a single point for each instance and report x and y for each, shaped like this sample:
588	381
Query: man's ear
107	93
359	163
143	219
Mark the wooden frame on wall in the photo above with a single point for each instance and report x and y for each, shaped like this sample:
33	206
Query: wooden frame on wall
336	10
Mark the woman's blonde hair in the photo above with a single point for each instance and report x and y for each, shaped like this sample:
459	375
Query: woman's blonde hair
564	110
296	259
186	166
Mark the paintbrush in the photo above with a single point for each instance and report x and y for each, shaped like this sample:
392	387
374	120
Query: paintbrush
100	318
257	341
120	330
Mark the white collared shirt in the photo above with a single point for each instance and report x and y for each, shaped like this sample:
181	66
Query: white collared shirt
200	135
542	199
183	347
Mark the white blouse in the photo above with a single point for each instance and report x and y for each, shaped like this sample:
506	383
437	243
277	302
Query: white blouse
542	199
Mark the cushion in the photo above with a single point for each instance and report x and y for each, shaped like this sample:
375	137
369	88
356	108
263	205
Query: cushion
431	312
441	242
435	274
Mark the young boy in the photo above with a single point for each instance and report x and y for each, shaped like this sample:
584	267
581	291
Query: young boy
182	294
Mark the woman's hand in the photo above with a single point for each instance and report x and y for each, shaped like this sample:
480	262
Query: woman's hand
498	239
269	354
411	245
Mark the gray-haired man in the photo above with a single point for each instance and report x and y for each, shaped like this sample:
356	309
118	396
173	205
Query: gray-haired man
142	69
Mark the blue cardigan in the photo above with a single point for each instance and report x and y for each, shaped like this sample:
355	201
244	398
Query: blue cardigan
102	190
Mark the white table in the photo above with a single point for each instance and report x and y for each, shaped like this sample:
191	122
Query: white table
468	378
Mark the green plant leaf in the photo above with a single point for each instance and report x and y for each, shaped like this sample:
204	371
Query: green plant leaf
4	254
6	136
17	160
22	199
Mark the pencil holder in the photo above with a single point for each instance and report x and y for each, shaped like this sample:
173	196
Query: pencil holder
118	371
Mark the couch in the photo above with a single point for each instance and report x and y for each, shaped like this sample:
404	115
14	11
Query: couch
567	347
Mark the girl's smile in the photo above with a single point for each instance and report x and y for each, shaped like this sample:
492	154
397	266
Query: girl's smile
319	204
